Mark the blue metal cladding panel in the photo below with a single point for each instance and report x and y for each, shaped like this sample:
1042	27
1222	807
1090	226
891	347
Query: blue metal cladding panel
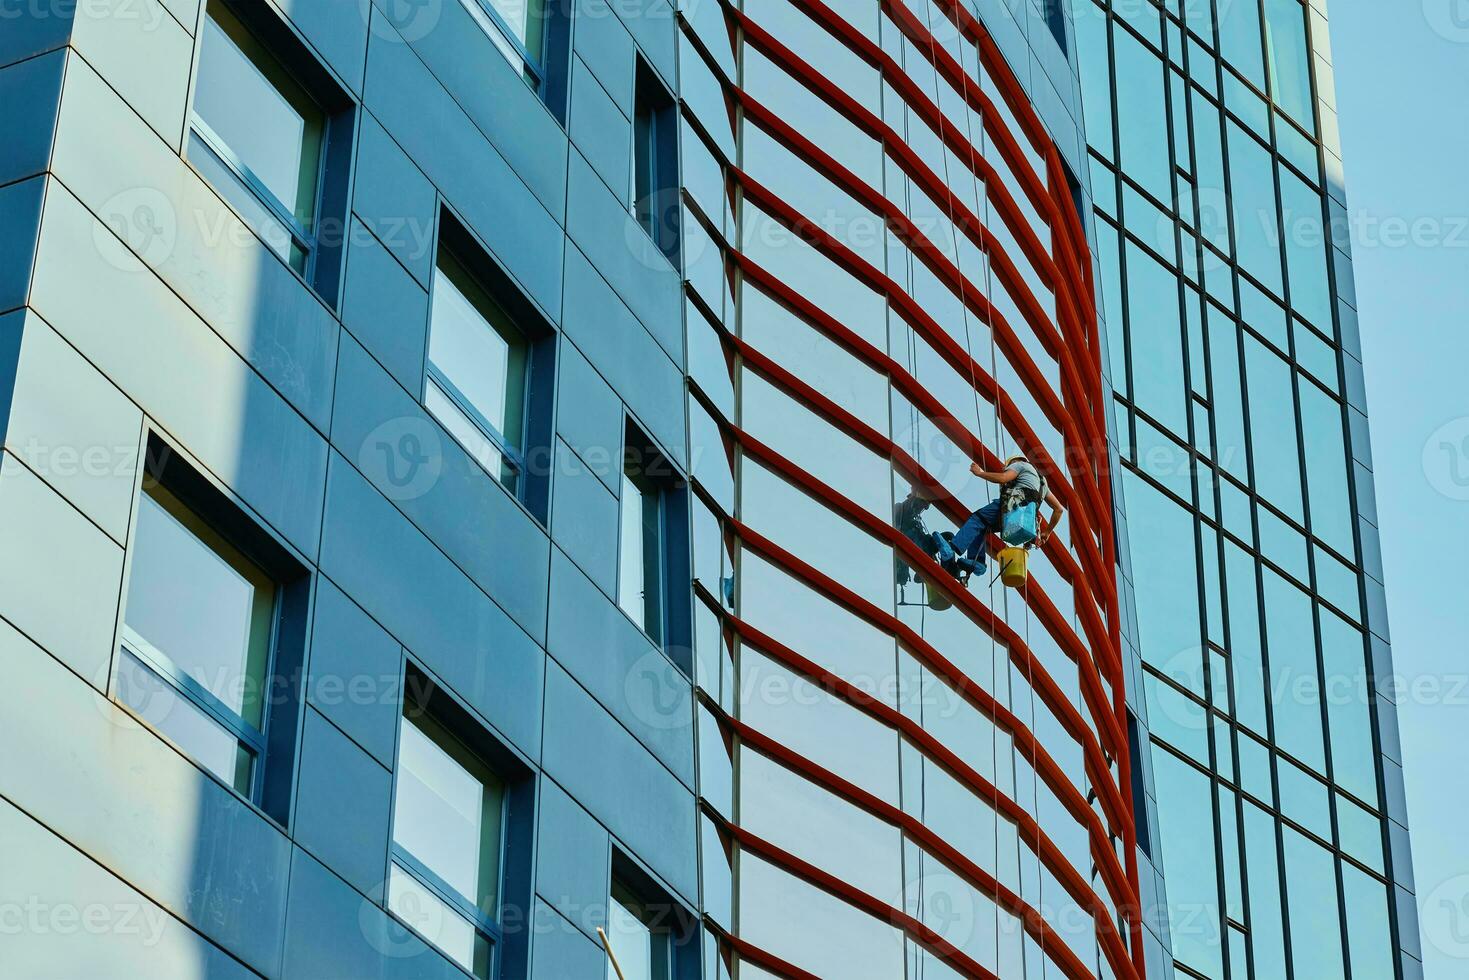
613	776
356	668
572	866
30	93
343	803
444	620
600	130
205	338
450	499
394	200
613	660
589	416
562	951
333	931
468	170
20	225
584	520
385	308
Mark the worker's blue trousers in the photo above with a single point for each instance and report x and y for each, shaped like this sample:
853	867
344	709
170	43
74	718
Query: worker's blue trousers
970	539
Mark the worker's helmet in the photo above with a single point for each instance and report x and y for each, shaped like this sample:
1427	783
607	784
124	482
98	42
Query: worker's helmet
1016	459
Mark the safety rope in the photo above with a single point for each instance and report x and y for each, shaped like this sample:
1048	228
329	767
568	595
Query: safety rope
982	200
1001	436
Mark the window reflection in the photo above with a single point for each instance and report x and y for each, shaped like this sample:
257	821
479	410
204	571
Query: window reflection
821	449
818	725
794	920
815	534
782	807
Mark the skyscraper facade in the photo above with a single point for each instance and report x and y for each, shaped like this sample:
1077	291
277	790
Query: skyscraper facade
475	476
1222	236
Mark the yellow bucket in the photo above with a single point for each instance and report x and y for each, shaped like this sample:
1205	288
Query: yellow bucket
1012	567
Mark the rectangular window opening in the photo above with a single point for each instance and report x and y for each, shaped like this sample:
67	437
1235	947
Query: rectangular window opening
655	188
490	365
461	812
271	131
651	936
654	586
210	638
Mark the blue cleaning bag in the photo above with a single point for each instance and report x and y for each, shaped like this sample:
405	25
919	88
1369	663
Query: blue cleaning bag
1019	528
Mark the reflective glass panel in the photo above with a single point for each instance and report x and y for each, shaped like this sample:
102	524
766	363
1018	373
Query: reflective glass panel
191	728
478	351
260	114
1315	932
196	603
448	811
417	906
642	947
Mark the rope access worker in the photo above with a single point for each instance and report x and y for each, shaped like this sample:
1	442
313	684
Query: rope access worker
1015	511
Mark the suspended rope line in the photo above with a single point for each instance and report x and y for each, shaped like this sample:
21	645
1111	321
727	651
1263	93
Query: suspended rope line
981	200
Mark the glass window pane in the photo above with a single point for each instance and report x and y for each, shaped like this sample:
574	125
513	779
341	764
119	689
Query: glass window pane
1267	931
1315	931
1277	453
1326	469
1304	798
796	921
261	219
780	806
1256	226
438	922
526	19
815	445
815	627
816	534
1239	37
639	942
1369	936
1091	56
1349	707
1155	329
448	811
1294	683
207	742
479	446
819	726
473	344
1142	116
1359	833
1185	821
1290	59
262	115
813	357
1165	573
199	602
1306	247
640	557
1244	637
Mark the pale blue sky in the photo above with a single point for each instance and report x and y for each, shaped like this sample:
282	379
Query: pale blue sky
1402	74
